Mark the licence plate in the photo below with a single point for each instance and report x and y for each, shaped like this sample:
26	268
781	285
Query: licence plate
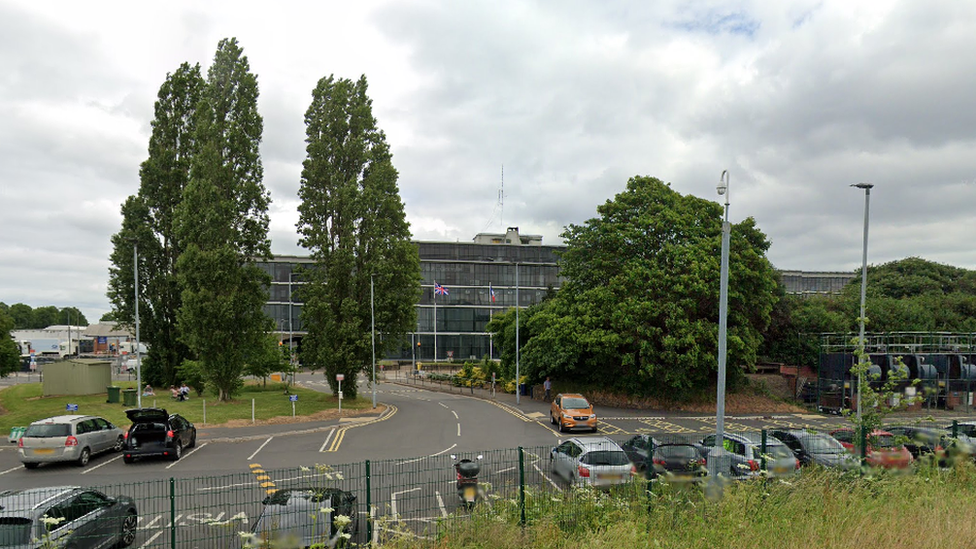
611	477
469	493
781	470
43	451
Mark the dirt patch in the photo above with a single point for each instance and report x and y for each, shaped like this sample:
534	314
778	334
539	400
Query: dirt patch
322	415
735	403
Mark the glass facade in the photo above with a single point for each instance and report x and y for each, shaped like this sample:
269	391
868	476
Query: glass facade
467	271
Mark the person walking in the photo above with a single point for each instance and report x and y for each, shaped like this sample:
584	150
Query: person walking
547	385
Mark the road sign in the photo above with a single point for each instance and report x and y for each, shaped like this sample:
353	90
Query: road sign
72	407
340	377
293	398
450	354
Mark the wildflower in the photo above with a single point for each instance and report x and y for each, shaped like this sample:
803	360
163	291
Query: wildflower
242	516
52	521
247	537
326	510
345	535
304	469
338	476
341	521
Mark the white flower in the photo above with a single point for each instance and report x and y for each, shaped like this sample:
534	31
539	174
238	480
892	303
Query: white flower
341	521
52	521
326	510
304	469
247	537
338	476
345	535
242	516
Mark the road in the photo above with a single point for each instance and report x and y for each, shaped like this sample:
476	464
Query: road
408	443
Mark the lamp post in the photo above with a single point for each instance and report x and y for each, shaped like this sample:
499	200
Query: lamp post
518	384
372	315
717	453
135	274
864	284
291	331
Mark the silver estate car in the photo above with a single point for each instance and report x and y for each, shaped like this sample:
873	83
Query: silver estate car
68	438
596	461
65	516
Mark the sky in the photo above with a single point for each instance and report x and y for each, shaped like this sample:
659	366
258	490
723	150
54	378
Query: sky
798	100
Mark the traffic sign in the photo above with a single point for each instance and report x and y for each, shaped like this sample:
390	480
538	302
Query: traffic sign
72	407
340	377
293	398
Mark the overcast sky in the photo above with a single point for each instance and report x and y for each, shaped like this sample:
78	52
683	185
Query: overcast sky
797	99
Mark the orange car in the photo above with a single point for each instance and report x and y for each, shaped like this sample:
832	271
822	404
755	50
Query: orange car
572	411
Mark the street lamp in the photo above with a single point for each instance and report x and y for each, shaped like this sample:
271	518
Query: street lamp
864	285
372	315
518	384
135	274
717	453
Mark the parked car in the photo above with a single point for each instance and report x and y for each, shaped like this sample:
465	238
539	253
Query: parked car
882	451
598	462
67	438
675	460
747	455
816	448
637	447
154	432
933	441
294	518
88	518
572	411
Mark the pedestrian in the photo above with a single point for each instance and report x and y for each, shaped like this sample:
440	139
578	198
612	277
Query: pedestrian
184	391
148	391
547	385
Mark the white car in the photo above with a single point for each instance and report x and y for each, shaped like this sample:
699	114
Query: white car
598	462
68	438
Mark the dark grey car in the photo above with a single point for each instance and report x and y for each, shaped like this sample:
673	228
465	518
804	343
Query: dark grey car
65	516
154	432
816	448
305	517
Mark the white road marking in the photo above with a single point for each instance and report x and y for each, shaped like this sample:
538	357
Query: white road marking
455	414
415	460
152	539
554	485
188	454
393	505
459	429
90	469
444	450
327	439
440	503
444	405
9	470
250	457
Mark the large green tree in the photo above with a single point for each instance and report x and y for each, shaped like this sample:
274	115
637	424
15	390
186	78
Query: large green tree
352	221
222	225
639	309
9	353
25	317
148	220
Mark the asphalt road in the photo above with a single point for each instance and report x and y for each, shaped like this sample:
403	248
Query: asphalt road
408	443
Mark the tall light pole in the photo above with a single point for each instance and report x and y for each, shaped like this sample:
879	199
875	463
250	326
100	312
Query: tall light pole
723	312
372	316
518	380
135	274
864	285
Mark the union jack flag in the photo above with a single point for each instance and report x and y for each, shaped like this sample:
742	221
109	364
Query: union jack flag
491	293
440	290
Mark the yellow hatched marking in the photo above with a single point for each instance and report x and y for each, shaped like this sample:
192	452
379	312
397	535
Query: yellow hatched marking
267	484
610	429
263	477
255	466
665	426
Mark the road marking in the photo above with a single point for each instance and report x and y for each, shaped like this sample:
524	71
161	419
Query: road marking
327	439
338	439
376	531
261	476
442	404
188	454
554	485
440	503
393	505
149	541
340	435
459	429
250	457
9	470
116	458
455	414
415	460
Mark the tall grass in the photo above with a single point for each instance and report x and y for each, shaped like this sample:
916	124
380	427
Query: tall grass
820	509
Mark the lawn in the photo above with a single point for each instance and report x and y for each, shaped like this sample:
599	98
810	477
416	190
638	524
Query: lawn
22	404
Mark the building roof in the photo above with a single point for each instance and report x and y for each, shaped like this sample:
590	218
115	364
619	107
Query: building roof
106	329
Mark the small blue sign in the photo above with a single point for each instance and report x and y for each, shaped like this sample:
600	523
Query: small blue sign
72	407
293	398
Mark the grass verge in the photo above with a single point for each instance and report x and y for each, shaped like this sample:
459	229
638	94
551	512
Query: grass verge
24	403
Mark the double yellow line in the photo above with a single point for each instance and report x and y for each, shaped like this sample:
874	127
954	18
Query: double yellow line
341	433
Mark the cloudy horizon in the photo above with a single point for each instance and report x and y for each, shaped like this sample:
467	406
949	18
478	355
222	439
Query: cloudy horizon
797	99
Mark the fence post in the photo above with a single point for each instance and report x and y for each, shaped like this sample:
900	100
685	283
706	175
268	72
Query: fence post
521	456
762	453
862	435
649	472
955	428
369	507
172	513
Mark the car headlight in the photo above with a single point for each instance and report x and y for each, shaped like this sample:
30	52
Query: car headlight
567	415
592	416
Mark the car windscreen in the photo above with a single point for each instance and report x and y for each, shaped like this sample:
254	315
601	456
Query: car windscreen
48	430
605	457
677	451
575	403
15	531
822	444
775	451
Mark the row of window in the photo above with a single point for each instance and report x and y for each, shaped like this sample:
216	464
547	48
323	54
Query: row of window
449	318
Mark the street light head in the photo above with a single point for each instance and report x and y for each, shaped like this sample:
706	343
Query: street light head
863	185
723	183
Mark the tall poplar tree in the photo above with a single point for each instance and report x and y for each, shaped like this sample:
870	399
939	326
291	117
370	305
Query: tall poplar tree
148	219
352	221
222	223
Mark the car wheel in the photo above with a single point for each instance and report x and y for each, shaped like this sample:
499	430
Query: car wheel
193	440
118	444
83	458
178	451
128	533
552	419
128	459
31	465
562	426
595	429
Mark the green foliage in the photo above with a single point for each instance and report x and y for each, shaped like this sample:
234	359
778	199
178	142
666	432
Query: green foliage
222	224
352	221
191	372
24	317
148	218
268	360
9	353
639	310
